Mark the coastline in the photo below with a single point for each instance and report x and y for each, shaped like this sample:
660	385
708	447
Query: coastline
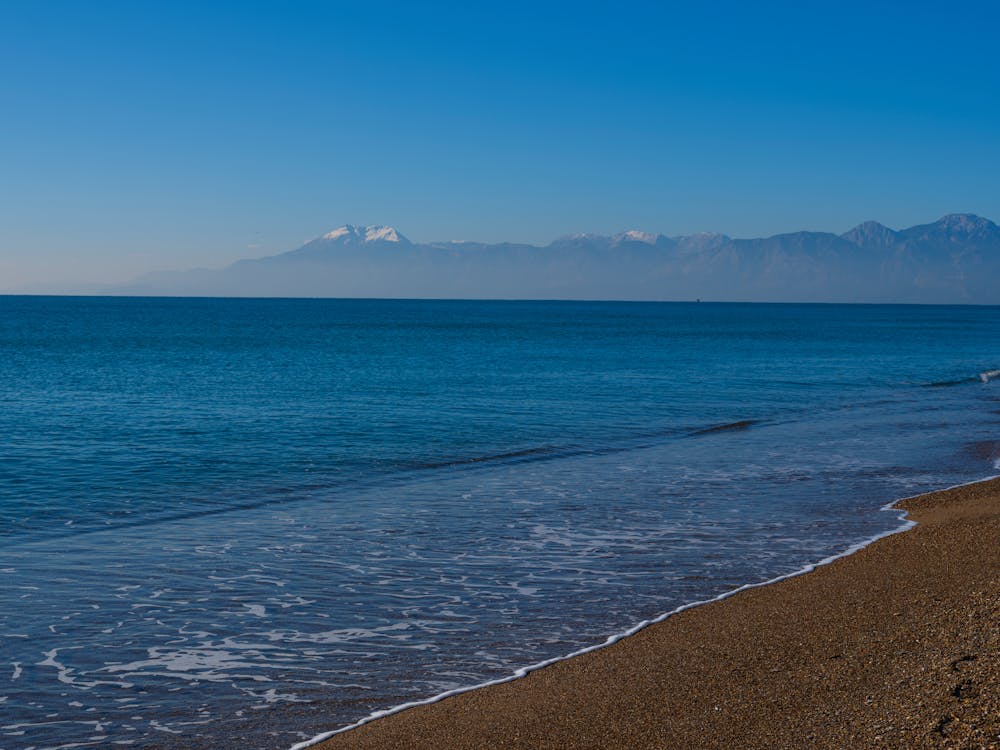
864	651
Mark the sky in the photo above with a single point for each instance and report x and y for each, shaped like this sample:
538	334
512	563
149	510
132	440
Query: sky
169	135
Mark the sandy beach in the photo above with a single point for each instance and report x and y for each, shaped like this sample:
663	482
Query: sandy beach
897	645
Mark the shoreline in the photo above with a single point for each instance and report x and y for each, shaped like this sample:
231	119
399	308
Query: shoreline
905	525
490	714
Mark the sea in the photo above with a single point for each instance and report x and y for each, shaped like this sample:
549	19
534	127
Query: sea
250	522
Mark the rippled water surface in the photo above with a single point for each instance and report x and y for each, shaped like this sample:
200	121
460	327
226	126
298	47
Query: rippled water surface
250	521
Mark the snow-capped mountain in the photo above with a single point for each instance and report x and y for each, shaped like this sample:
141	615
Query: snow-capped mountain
361	235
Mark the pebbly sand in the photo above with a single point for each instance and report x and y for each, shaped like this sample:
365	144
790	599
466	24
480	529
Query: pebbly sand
897	646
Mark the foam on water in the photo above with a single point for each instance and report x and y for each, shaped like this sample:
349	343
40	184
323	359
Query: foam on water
905	525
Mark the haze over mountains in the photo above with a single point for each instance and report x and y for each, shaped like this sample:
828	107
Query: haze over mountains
953	260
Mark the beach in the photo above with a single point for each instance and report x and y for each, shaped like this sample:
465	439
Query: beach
897	645
246	523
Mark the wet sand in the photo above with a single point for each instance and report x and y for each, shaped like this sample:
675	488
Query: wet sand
895	646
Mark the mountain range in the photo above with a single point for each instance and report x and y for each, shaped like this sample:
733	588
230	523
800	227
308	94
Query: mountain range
953	260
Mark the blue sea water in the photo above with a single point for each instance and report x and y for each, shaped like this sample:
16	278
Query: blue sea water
251	521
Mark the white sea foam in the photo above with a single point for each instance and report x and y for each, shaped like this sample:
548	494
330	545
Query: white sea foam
905	525
989	375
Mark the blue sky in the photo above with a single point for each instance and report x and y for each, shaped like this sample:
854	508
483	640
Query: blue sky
153	135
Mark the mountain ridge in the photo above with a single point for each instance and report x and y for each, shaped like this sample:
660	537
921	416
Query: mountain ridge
954	259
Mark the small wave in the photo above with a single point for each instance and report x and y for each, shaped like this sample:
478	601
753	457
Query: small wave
526	453
742	424
950	383
984	377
